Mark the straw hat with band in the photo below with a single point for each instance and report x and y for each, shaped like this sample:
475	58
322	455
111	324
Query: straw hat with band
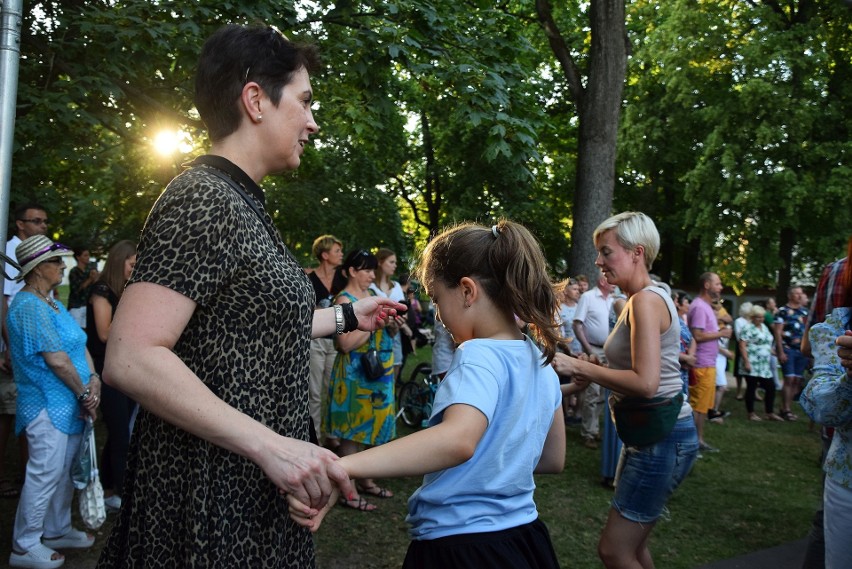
35	250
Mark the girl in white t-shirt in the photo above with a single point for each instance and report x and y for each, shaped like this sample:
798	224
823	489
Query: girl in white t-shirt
497	415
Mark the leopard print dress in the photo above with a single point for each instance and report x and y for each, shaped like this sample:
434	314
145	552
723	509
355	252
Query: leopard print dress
187	502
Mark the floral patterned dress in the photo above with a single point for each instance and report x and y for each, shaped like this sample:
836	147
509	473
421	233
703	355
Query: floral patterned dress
361	409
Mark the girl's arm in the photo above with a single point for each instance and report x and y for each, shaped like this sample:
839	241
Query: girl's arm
648	319
449	443
552	459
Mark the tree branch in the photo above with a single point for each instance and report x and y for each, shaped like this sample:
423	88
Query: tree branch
560	50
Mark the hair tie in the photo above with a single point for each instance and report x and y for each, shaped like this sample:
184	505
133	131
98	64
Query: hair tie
495	232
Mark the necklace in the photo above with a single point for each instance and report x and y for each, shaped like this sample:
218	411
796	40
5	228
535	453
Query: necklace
50	301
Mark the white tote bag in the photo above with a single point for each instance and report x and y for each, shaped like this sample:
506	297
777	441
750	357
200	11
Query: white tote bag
92	509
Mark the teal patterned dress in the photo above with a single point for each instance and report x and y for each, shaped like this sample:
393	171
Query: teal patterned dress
361	409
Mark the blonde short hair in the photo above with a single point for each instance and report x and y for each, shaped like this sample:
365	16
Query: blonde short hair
633	228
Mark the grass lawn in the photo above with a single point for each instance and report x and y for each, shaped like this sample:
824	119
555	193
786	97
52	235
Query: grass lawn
761	490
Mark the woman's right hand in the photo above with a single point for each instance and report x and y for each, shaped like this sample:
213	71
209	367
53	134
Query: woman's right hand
374	312
309	472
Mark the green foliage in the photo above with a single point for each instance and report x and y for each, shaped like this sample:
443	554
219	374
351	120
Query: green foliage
744	113
735	125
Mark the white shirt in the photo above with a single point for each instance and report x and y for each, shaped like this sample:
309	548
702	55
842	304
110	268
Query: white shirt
10	287
593	312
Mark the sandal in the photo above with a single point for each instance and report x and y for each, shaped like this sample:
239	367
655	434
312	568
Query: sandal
788	416
773	417
359	504
375	490
38	557
74	539
753	417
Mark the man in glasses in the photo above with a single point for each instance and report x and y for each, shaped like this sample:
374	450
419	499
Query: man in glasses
30	219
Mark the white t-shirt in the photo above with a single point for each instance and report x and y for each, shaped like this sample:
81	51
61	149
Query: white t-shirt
593	312
396	293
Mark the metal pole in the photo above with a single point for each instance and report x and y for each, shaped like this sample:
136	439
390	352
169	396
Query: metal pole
11	19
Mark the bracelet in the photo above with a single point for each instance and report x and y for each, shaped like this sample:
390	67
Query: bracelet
83	397
338	319
349	317
96	374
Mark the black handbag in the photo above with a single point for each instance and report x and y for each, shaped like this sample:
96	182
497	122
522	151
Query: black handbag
644	421
373	368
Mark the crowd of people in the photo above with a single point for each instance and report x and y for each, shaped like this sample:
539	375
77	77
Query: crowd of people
244	395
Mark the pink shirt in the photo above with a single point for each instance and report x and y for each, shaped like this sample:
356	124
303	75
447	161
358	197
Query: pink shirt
702	317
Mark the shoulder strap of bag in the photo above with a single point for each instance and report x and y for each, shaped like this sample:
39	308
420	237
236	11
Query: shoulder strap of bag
92	449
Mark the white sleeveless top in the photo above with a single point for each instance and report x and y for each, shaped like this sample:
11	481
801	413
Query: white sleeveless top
619	353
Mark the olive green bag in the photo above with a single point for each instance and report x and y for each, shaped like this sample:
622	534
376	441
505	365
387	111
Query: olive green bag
641	421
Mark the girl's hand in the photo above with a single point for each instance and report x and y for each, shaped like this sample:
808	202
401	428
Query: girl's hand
308	517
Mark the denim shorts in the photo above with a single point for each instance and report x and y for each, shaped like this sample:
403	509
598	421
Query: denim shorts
796	363
647	476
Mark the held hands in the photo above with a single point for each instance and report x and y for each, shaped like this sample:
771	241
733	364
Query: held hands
308	473
374	312
312	518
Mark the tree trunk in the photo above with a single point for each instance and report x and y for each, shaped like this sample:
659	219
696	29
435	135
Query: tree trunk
786	242
598	110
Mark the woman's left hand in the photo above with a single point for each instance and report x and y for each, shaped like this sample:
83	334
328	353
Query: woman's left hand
373	312
95	387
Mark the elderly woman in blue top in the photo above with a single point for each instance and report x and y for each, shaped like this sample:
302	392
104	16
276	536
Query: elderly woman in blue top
827	399
57	387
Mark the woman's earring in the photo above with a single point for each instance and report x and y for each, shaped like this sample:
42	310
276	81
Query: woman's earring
259	118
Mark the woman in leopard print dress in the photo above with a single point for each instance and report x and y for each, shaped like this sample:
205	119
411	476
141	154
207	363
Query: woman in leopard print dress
213	331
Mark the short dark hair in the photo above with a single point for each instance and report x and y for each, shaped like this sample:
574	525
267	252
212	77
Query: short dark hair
79	250
360	260
21	210
231	57
791	288
705	278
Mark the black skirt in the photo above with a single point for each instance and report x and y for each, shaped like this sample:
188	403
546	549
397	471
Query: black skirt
526	546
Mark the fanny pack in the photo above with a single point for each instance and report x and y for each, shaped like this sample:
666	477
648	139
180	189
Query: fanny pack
642	421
